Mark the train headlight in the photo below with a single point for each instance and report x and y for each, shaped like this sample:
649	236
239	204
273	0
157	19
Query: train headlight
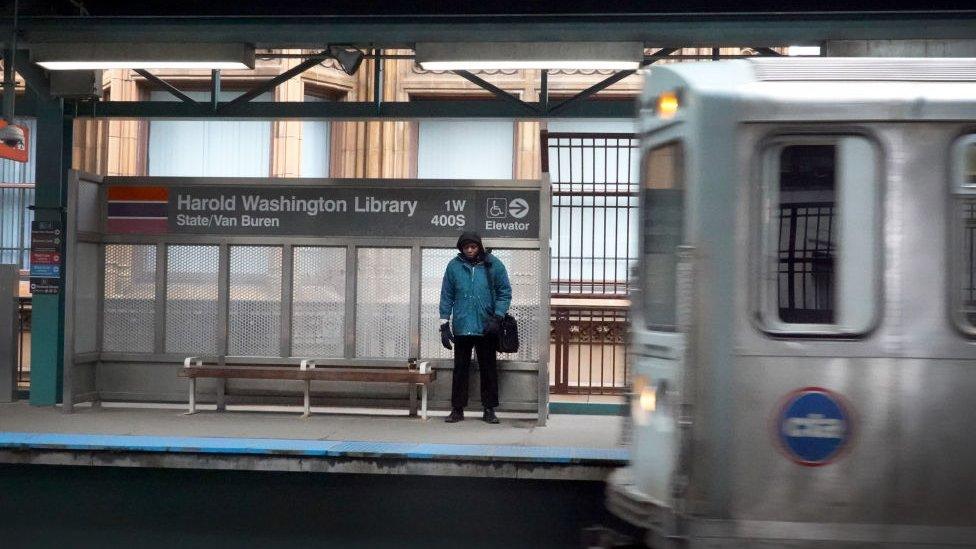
667	105
644	401
648	399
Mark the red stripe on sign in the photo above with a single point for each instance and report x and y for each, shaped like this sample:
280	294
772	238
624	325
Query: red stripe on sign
137	226
138	193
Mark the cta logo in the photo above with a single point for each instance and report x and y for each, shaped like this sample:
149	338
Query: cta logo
813	426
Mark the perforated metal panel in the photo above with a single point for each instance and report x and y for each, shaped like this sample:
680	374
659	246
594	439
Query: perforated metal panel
255	301
129	298
191	299
86	303
88	206
523	273
383	303
433	262
319	301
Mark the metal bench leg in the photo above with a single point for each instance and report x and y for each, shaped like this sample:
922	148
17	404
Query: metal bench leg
308	404
221	395
193	397
413	399
423	401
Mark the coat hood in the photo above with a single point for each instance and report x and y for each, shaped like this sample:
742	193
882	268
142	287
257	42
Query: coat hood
470	236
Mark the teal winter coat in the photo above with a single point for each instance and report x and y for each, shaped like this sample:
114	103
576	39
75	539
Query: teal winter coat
466	298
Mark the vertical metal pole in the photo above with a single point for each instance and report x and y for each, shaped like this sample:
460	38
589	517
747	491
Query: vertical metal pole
54	133
223	299
159	323
545	204
349	348
9	285
377	79
71	274
214	88
415	327
287	294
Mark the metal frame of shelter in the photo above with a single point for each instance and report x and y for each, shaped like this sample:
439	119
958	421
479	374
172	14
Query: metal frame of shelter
56	116
101	362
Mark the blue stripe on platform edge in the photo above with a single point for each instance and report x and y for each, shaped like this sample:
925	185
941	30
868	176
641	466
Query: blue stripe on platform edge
320	448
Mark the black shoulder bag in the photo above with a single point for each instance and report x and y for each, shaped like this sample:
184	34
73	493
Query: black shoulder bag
508	339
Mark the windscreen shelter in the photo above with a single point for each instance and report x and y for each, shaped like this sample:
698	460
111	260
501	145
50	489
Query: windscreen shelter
343	271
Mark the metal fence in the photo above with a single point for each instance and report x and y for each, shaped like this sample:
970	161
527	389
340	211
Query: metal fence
588	350
595	194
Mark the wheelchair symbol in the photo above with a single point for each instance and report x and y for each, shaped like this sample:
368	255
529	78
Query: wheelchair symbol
497	207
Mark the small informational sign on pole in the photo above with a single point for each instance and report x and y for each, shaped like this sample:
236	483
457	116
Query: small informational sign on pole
47	245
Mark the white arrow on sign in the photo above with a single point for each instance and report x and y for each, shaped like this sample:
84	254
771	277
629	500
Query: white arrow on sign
518	208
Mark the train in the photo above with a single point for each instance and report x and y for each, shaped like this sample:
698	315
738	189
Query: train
803	336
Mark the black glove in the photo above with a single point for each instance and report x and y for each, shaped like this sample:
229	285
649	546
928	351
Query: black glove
493	326
446	337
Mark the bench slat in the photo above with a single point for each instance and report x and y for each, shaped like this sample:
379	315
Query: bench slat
324	374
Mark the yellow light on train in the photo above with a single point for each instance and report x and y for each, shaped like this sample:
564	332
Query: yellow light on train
667	105
643	401
648	398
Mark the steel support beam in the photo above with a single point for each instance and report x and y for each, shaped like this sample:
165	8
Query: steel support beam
392	32
341	110
164	84
496	91
276	81
603	84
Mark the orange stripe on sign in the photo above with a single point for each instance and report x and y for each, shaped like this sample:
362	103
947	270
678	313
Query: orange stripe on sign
138	193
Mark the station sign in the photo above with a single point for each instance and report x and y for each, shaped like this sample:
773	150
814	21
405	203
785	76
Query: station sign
813	426
331	211
46	253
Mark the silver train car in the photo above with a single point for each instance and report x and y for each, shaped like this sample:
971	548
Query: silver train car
804	332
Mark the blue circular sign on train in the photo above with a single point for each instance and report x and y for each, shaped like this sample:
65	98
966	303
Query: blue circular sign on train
813	426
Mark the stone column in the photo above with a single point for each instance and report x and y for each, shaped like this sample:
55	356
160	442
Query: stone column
286	135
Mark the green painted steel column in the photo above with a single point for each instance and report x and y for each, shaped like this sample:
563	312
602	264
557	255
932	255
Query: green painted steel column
54	133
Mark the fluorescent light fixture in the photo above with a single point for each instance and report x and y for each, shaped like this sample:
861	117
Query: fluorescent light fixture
802	50
107	55
529	55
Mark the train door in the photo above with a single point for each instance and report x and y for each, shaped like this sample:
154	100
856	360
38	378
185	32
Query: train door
659	344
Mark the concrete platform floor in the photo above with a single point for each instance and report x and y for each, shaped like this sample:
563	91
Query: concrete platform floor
577	431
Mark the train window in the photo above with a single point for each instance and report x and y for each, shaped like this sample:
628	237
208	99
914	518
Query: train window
662	214
820	236
964	235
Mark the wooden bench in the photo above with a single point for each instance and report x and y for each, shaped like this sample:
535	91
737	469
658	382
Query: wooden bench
198	367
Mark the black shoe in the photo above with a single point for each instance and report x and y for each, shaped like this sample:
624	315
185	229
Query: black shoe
457	415
490	416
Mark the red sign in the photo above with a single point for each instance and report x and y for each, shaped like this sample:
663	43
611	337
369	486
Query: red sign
13	143
50	258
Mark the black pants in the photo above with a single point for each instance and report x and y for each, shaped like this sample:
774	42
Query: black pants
485	347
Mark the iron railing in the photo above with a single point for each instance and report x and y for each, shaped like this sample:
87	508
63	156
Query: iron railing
595	193
595	187
588	350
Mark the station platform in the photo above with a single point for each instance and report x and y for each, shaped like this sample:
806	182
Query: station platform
569	447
